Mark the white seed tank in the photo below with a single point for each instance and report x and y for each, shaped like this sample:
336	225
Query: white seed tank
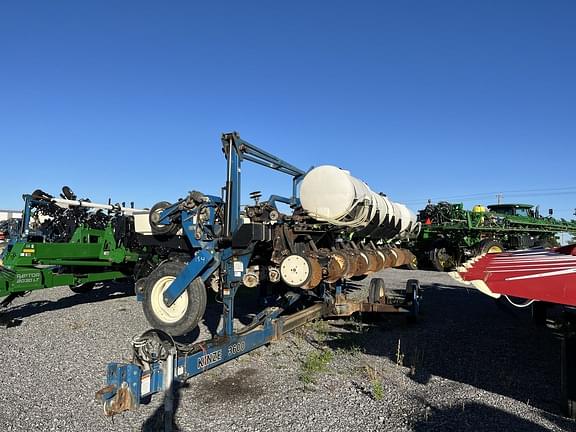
331	194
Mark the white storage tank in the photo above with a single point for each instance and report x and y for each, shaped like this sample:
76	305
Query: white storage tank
331	194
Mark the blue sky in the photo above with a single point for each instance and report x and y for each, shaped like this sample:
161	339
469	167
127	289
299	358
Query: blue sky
421	99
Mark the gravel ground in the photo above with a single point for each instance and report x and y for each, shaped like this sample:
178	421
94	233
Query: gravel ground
469	364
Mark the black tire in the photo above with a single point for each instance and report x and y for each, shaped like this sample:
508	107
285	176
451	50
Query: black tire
180	318
441	259
413	264
490	246
376	290
158	228
413	292
68	194
83	288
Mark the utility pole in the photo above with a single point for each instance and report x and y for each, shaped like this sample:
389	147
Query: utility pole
499	197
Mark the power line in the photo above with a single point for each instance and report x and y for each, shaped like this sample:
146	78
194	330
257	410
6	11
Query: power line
516	193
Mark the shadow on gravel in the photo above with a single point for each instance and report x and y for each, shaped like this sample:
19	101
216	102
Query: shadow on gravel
104	293
162	420
470	338
241	386
245	306
560	422
477	417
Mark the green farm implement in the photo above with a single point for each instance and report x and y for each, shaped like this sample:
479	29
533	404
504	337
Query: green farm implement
65	241
450	234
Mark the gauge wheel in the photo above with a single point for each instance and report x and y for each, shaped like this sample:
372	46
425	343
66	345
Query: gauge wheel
188	309
154	218
296	271
490	247
83	288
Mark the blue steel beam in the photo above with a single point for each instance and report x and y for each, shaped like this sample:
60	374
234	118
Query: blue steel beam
236	149
194	269
128	383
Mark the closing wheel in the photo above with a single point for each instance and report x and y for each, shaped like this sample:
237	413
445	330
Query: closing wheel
376	290
315	273
361	260
83	288
185	313
154	219
338	266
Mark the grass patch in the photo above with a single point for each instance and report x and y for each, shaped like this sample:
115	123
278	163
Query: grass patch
315	363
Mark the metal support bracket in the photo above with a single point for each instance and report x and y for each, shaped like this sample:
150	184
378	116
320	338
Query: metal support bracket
195	267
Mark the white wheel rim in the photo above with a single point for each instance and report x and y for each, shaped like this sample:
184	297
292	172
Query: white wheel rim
155	217
379	292
294	270
167	314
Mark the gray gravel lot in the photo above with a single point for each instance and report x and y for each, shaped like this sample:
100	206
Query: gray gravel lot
469	364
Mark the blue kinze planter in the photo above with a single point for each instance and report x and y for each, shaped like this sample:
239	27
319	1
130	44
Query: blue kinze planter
338	230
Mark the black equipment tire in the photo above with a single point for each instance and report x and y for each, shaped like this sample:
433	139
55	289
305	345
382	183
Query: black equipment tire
376	290
157	228
185	314
413	264
441	259
67	193
83	288
490	246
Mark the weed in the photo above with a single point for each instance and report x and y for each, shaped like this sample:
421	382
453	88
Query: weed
371	372
417	361
316	362
357	324
299	333
321	329
377	390
375	377
351	349
399	355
